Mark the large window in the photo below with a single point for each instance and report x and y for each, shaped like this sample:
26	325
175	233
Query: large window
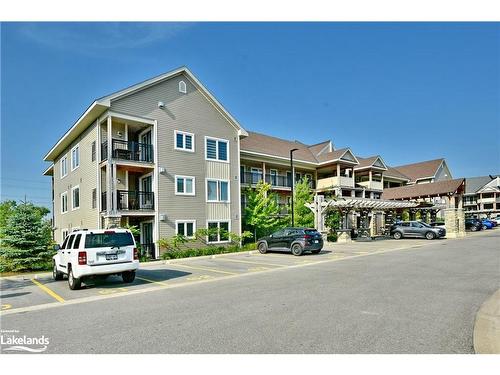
75	157
184	141
217	191
94	198
64	166
185	228
64	202
218	231
184	185
217	149
75	197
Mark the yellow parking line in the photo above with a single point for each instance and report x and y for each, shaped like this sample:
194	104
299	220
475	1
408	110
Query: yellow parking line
151	281
249	262
50	292
204	269
6	306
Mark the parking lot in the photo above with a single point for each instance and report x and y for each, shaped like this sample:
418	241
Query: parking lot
38	291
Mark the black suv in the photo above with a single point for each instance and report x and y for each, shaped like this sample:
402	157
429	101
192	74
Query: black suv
473	224
297	240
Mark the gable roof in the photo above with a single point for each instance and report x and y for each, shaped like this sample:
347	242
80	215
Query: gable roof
99	106
343	154
424	169
473	184
491	186
423	190
394	173
320	148
370	162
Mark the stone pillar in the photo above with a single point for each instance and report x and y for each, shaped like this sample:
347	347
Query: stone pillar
454	220
112	221
344	237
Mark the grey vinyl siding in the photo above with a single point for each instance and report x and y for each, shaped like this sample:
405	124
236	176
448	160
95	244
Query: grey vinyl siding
86	177
193	113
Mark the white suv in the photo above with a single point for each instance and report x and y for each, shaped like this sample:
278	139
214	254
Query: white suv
100	252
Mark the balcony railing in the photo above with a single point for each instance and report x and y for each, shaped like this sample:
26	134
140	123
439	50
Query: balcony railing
148	250
252	178
128	150
131	201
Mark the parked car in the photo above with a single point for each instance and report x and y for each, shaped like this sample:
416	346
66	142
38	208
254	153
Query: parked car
297	240
437	225
90	253
473	224
416	229
487	224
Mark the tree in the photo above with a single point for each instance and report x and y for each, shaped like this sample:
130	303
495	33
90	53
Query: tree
262	210
302	194
26	242
6	209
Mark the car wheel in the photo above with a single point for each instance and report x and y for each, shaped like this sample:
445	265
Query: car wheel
262	248
315	251
55	273
485	227
430	235
473	228
296	249
397	235
128	276
73	282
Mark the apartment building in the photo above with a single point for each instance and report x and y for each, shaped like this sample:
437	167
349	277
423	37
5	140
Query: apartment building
162	155
482	196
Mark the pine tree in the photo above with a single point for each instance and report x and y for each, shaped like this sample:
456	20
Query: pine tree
26	239
262	210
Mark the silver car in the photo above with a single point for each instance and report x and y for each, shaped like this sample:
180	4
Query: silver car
416	229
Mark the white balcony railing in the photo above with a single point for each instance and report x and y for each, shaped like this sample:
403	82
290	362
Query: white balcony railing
329	182
371	185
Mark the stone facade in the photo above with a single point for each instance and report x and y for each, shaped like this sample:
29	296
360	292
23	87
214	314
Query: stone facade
454	219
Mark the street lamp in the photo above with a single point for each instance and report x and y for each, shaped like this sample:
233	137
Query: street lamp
293	180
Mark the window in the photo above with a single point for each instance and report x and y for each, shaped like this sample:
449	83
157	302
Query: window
64	202
184	185
185	228
75	197
76	244
64	233
108	239
218	231
184	141
488	206
217	191
93	151
94	198
69	245
217	149
75	157
274	176
64	166
182	87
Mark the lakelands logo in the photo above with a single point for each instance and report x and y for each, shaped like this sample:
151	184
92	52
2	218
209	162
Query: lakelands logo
11	341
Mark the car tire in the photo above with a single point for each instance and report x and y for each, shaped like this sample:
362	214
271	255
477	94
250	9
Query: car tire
397	235
56	275
485	227
128	276
262	248
296	249
473	228
316	251
430	235
73	282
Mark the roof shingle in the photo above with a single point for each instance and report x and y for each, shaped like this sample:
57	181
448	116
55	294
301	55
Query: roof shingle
423	190
420	170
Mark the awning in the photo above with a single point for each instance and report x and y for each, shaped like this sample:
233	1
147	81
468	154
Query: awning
371	204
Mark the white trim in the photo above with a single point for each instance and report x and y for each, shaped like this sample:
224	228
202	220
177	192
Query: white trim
218	180
61	202
65	158
183	141
184	178
126	116
73	208
207	137
182	87
185	222
239	188
77	146
218	221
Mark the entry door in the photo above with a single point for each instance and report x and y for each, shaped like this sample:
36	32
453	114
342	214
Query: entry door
145	149
147	242
146	198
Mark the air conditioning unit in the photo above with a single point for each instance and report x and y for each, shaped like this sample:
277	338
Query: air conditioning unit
163	217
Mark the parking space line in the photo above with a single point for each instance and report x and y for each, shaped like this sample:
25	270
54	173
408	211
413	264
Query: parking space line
250	262
205	269
152	281
50	292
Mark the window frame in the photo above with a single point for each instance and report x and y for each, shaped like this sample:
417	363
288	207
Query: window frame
217	140
218	234
93	151
94	198
218	181
76	147
64	194
184	133
184	88
65	159
184	178
73	208
184	222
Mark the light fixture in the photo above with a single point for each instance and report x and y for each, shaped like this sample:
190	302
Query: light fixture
161	105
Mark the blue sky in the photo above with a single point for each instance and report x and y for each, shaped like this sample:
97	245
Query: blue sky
406	91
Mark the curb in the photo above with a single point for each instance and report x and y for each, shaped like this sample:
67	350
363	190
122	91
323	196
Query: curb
486	336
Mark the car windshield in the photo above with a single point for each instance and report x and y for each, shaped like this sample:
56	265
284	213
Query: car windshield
111	239
311	232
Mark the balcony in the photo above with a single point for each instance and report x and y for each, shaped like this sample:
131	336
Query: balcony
329	182
131	201
128	150
276	181
371	185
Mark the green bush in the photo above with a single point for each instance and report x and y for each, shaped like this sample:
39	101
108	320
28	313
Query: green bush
332	237
204	251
